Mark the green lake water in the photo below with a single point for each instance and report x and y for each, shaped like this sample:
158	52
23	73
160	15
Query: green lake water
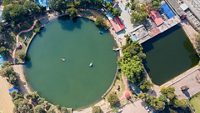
168	55
71	83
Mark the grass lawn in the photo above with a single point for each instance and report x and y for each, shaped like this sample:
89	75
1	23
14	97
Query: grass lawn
195	102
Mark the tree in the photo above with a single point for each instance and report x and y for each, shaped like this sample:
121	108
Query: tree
6	2
24	107
154	102
168	92
31	7
58	5
180	103
6	72
14	12
22	56
131	62
100	22
139	14
146	86
72	12
156	4
116	12
157	104
39	109
113	99
64	110
96	109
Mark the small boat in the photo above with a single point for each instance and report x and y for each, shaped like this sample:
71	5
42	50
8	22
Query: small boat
101	32
63	59
91	64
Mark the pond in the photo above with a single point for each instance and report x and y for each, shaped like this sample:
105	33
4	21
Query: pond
60	57
168	55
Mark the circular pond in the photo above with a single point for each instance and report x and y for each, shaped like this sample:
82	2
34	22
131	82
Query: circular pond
61	56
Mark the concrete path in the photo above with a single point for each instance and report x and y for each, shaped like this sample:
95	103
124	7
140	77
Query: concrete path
17	39
136	107
6	104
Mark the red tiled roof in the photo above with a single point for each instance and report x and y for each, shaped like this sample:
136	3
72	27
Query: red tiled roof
117	24
156	17
154	32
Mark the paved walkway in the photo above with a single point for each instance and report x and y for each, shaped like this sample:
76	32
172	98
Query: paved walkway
17	39
136	107
127	91
125	17
6	104
180	77
189	79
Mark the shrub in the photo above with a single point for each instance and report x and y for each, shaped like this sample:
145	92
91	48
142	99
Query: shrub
96	109
22	56
113	99
100	22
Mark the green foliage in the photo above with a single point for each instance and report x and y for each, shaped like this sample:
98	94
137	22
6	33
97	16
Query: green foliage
139	14
39	109
154	102
22	55
2	49
72	12
35	98
18	12
58	5
156	4
96	109
131	62
31	7
64	110
13	12
6	64
100	22
146	86
24	107
6	2
113	99
168	92
9	73
180	103
114	11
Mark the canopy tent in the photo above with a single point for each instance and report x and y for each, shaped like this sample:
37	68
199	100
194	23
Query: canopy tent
13	89
167	10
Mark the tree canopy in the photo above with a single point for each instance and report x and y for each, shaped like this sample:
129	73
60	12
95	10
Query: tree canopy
139	14
58	5
96	109
18	12
131	62
113	99
155	4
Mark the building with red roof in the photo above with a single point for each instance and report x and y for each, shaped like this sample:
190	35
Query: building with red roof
155	16
117	24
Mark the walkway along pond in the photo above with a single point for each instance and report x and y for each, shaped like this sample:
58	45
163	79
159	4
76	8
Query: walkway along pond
168	55
67	82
